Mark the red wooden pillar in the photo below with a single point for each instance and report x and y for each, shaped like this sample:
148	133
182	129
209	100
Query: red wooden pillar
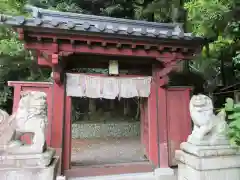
142	120
162	127
153	122
158	126
67	135
58	108
16	96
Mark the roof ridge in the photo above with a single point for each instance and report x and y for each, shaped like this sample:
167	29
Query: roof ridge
74	22
38	12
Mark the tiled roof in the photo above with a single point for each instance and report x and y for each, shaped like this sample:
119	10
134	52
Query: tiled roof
97	24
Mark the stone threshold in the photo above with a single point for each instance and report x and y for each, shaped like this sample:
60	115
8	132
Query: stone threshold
137	176
158	174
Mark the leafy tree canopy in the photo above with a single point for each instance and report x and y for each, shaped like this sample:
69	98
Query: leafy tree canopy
15	62
215	19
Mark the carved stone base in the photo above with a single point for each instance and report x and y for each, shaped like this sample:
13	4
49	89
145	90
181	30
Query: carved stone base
165	173
31	173
208	162
209	140
26	160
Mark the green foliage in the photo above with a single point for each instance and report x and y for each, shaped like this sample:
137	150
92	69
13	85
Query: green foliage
12	7
208	18
15	62
233	118
151	10
215	20
236	59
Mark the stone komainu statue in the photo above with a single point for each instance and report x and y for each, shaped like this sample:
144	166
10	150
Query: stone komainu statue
208	127
30	117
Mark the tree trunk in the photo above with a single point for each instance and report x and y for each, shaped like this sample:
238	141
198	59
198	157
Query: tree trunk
112	105
92	105
126	107
137	116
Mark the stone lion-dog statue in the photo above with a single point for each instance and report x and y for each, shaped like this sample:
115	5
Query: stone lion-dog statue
30	117
208	127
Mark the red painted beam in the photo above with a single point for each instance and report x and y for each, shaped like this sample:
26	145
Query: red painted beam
104	75
99	39
29	84
105	51
20	32
48	47
43	62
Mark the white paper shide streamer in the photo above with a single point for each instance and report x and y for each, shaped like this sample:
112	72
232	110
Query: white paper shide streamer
80	85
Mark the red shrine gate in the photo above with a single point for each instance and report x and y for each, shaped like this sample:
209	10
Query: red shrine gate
64	40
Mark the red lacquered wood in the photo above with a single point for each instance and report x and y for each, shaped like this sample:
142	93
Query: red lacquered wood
152	124
67	145
102	50
179	120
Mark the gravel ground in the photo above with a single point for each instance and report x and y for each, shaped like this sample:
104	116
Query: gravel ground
106	151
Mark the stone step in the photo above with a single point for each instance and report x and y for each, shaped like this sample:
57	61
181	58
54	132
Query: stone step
135	176
158	174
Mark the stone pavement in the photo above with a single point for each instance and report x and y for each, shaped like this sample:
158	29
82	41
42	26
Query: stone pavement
106	151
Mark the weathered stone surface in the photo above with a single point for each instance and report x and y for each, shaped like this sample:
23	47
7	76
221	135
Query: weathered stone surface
209	129
158	174
165	173
208	162
209	151
30	117
20	161
188	173
61	178
207	155
30	173
26	160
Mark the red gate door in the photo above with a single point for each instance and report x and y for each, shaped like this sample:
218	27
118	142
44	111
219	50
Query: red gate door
178	116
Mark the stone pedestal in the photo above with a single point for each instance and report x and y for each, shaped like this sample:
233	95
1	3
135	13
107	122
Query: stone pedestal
165	173
33	173
196	162
29	167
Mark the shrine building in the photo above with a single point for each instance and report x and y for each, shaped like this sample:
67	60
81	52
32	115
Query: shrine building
137	57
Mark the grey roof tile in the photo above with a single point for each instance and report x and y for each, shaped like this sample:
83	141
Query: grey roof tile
98	24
